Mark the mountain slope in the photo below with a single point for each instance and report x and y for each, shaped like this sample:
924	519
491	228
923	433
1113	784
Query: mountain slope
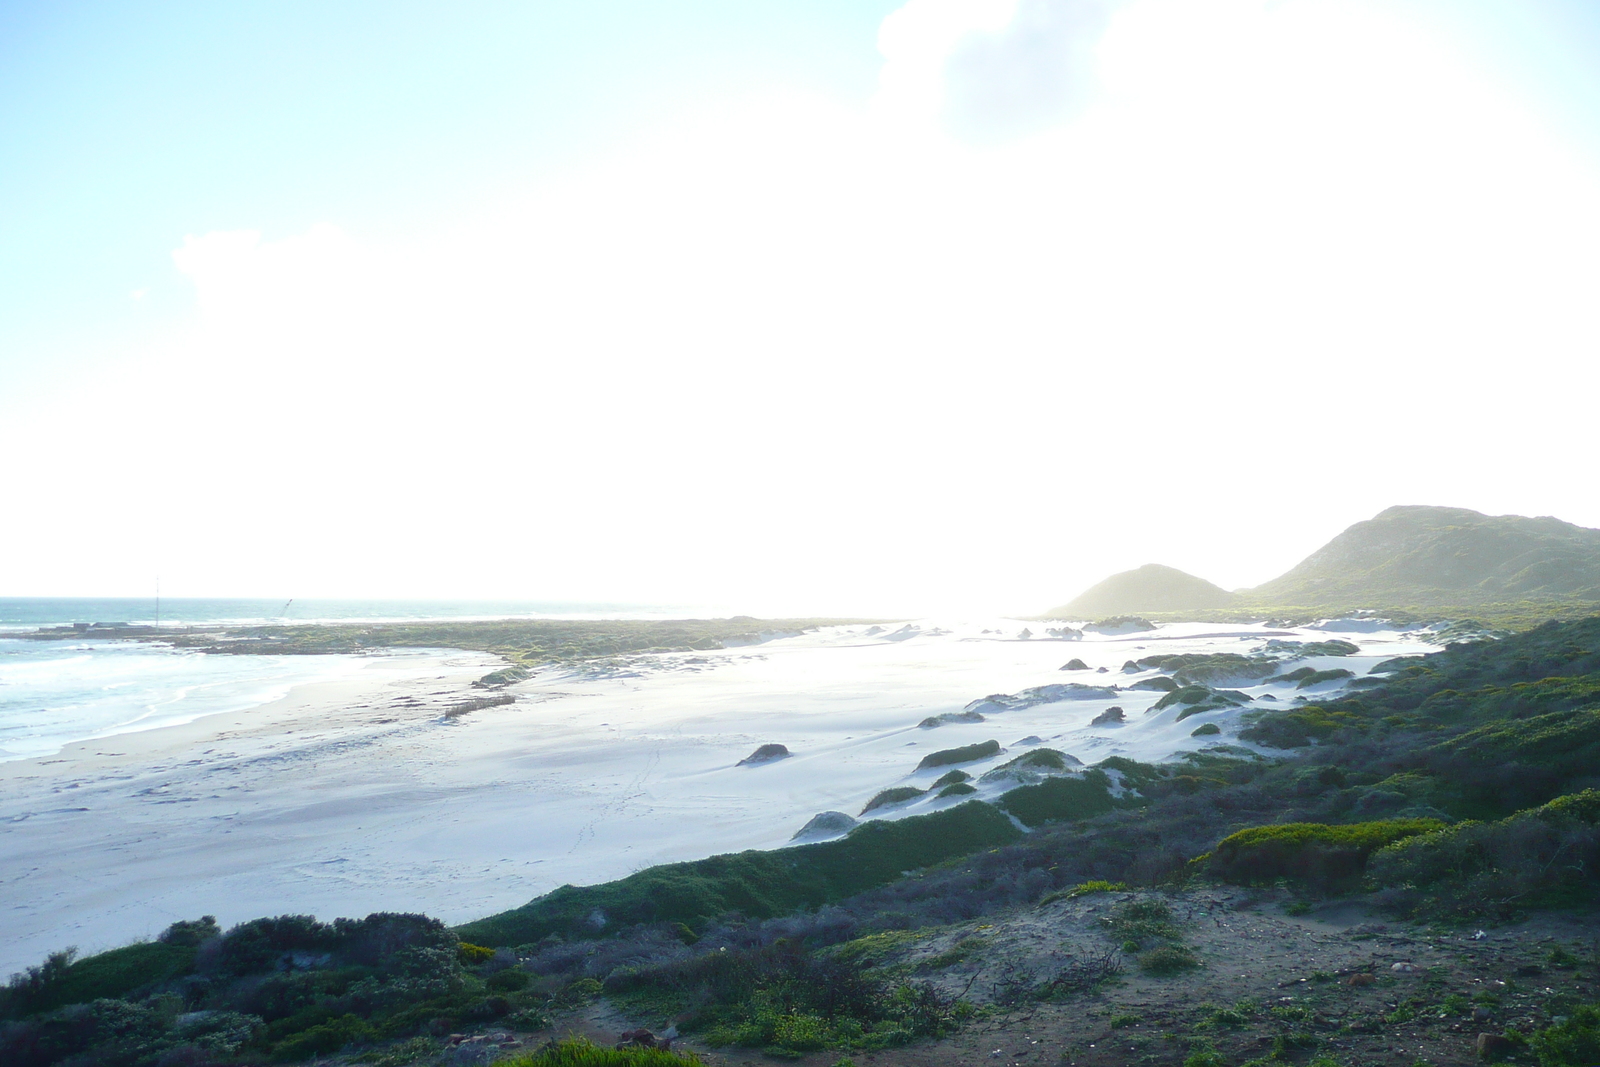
1416	555
1150	588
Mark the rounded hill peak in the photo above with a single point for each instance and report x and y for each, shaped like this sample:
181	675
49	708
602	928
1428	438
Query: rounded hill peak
1150	588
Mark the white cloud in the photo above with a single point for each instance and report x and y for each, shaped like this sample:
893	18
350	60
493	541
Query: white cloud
1289	264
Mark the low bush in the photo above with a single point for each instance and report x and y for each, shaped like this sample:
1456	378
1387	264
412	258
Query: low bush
1083	889
958	789
1548	856
787	1000
1299	727
1321	856
472	955
897	795
324	1038
965	754
955	777
63	979
1138	921
1060	799
757	884
1573	1043
1168	960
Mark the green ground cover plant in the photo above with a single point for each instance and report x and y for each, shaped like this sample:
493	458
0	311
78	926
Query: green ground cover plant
1321	856
897	795
580	1052
755	884
965	754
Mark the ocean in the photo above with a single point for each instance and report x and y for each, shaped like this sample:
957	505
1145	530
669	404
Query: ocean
53	693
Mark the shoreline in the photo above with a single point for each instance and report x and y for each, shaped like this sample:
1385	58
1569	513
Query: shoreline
93	851
362	795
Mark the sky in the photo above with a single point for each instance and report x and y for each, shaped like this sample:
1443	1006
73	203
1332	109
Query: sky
779	307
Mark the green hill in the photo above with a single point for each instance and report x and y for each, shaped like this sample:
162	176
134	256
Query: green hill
1149	589
1424	556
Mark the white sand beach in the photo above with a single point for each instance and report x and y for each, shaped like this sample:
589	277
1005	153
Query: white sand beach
359	794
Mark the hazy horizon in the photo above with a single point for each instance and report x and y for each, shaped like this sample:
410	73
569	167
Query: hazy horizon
882	308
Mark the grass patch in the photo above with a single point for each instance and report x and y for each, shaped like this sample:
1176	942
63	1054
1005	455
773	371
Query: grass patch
965	754
581	1052
898	795
758	884
1060	799
1168	960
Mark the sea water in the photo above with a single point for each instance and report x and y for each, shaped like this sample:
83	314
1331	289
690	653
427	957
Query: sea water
55	692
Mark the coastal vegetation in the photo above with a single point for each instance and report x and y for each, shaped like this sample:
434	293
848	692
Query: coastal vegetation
1458	789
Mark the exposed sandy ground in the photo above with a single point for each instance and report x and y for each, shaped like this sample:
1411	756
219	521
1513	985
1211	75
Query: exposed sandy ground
1303	967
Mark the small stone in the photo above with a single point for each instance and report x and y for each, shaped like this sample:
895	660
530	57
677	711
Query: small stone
1494	1047
1403	967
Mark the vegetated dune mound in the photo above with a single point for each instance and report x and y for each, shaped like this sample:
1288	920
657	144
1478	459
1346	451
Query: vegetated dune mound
1149	588
1424	555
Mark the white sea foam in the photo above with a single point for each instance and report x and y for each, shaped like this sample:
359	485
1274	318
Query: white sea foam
54	693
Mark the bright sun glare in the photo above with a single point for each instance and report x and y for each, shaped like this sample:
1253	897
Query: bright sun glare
1235	274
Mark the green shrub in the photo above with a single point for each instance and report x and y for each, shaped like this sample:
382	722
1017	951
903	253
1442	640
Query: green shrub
1168	960
324	1038
1084	889
758	884
955	777
580	1052
1299	727
1318	677
1320	855
1060	799
61	980
1039	758
1189	694
1574	1043
897	795
1495	869
965	754
958	789
1206	730
472	955
509	980
1137	921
